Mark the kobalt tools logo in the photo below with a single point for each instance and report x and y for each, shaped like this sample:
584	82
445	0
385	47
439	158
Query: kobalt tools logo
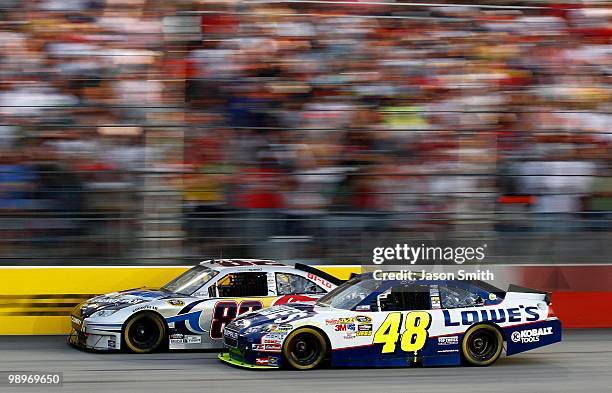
531	335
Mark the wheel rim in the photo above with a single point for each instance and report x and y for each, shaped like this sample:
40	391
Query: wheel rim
144	333
305	349
482	345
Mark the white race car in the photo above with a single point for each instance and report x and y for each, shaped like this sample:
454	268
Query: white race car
191	311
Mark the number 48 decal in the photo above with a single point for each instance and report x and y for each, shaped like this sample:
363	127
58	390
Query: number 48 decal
413	338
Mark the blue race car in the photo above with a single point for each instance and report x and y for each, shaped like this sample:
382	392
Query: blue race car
388	323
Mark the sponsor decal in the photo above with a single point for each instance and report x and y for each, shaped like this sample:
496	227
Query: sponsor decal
448	340
75	320
176	302
273	361
530	335
174	341
266	347
176	335
500	315
349	336
270	340
447	350
364	333
339	321
366	327
144	308
118	299
285	327
231	334
345	327
363	307
492	296
434	294
193	339
112	343
274	337
320	280
272	347
262	361
363	318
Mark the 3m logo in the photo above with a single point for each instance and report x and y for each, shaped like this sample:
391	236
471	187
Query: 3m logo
531	335
345	327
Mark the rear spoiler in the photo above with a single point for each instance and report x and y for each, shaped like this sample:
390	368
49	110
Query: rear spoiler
519	289
318	272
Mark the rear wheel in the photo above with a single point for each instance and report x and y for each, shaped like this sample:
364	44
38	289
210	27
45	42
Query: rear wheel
482	345
304	349
144	333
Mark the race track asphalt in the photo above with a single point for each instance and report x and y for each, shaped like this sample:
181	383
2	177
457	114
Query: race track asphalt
581	363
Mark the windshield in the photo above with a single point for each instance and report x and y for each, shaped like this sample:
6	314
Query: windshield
190	281
349	294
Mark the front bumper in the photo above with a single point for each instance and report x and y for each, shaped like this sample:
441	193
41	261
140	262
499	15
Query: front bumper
97	337
225	357
239	350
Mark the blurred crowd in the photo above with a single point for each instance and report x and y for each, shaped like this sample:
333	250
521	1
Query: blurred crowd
152	125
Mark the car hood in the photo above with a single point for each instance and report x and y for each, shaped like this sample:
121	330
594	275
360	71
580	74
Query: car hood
285	314
118	300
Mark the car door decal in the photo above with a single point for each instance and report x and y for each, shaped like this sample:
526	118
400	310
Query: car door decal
184	315
226	311
412	339
193	318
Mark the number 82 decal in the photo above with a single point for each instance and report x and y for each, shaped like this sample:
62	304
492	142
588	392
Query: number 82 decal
413	338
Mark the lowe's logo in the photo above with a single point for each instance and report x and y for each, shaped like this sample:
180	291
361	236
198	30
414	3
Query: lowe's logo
531	335
500	315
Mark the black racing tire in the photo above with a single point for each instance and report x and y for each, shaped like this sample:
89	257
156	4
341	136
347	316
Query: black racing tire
145	332
304	349
482	345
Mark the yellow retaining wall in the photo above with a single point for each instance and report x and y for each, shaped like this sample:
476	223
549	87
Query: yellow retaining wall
38	300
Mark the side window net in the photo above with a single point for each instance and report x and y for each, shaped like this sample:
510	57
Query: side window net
293	284
454	297
405	298
243	284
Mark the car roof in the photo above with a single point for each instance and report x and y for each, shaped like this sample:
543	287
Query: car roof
227	266
245	264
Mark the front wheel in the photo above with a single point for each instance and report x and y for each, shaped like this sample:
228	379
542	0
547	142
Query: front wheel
482	345
144	333
304	349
